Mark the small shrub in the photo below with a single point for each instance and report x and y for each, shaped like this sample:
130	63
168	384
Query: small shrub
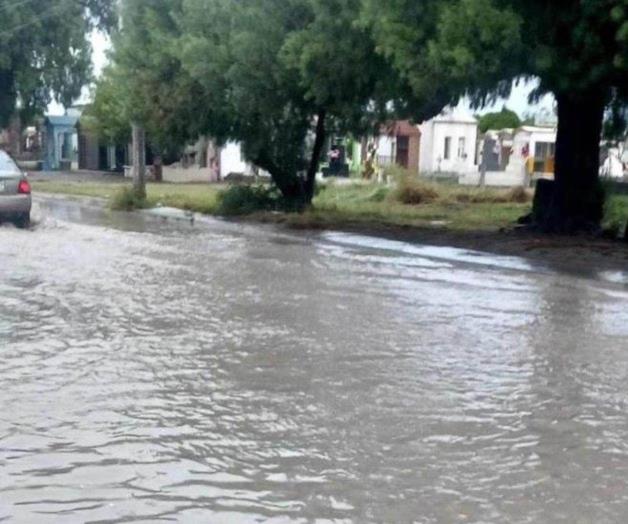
379	194
616	215
413	192
481	196
126	199
244	200
519	195
397	173
464	198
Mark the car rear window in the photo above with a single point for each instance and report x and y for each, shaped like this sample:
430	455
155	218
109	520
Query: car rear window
7	166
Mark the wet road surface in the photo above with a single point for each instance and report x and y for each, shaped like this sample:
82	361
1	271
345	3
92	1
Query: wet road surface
157	372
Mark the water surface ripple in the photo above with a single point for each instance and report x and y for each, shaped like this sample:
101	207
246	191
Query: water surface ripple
222	373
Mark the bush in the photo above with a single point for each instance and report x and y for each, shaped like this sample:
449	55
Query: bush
244	200
126	199
517	195
379	194
413	192
616	215
398	173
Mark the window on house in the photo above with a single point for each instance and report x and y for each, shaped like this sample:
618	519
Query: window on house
462	144
447	152
544	150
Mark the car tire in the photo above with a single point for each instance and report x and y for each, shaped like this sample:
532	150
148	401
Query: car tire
23	220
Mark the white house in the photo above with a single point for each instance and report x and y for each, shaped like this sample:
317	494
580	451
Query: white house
448	142
530	152
535	145
232	161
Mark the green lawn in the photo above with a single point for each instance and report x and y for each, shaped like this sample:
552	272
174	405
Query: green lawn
451	207
454	207
197	197
616	212
90	189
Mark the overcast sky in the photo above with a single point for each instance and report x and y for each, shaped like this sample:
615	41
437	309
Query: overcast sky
518	100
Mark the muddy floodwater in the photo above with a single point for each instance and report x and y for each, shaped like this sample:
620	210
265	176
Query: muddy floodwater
220	373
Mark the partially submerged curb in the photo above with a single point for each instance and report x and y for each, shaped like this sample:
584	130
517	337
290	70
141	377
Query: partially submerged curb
577	253
171	213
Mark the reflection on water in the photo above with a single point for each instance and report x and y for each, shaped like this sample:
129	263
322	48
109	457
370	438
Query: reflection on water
234	374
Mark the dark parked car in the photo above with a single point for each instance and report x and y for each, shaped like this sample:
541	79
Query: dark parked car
15	193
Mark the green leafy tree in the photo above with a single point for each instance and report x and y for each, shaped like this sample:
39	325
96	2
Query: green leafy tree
144	82
233	51
350	87
404	31
144	86
278	76
45	52
578	49
106	115
504	119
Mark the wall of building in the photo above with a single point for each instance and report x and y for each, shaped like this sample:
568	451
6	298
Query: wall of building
495	178
176	174
433	147
414	153
232	161
89	154
426	158
386	149
529	137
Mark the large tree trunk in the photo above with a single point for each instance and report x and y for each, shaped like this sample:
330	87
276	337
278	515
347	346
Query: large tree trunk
139	161
288	183
319	144
576	201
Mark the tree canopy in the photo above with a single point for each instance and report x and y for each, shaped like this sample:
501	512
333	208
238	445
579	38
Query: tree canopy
45	52
278	76
578	49
504	119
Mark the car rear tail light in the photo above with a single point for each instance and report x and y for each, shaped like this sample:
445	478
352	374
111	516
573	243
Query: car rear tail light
24	187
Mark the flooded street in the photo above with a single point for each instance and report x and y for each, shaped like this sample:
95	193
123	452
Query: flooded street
219	373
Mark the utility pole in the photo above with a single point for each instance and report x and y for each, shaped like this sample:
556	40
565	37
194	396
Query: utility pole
139	161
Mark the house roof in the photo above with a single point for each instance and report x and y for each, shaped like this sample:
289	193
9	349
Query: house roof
538	129
64	120
505	130
400	128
